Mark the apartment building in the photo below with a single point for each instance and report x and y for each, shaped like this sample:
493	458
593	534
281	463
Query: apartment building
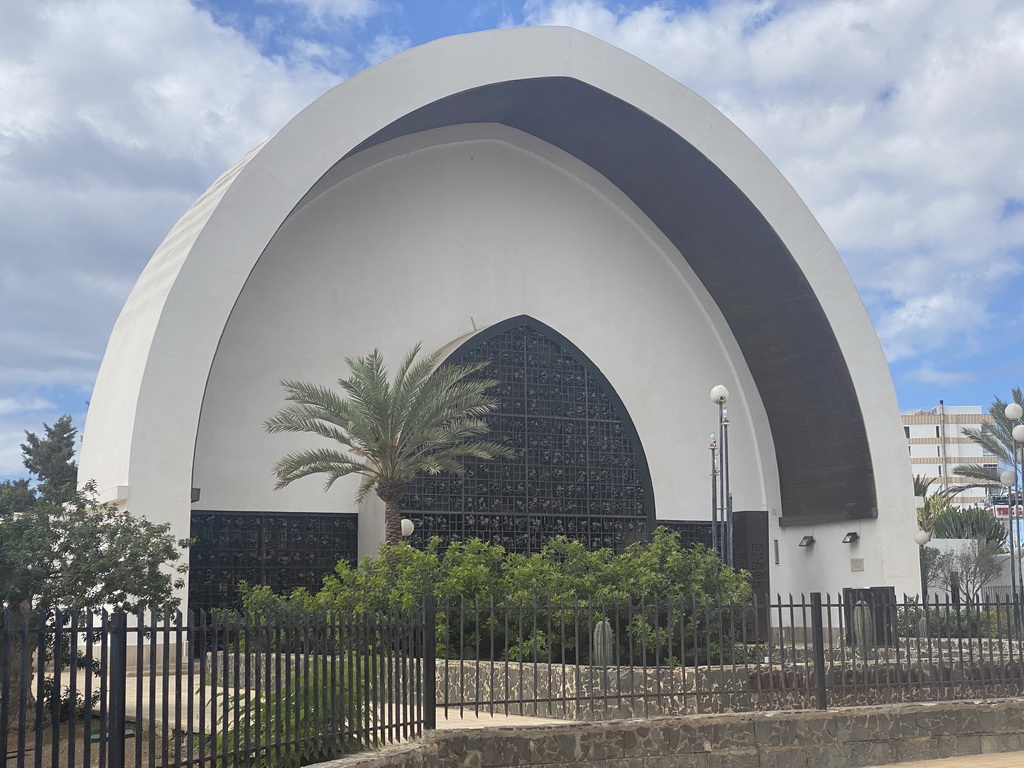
936	444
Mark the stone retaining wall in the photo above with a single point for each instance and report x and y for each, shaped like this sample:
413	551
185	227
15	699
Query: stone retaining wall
840	738
604	693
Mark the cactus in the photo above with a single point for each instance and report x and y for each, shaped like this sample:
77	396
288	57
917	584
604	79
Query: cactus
863	628
602	653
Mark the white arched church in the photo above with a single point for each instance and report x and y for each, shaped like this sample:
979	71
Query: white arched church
607	238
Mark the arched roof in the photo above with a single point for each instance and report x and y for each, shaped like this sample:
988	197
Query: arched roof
779	283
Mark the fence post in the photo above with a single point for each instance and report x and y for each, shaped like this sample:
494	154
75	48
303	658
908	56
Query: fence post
117	676
429	663
818	640
5	676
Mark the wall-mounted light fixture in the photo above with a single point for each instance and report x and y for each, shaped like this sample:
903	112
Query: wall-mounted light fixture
851	537
806	541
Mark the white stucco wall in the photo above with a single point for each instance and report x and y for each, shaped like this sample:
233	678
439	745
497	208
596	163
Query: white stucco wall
459	228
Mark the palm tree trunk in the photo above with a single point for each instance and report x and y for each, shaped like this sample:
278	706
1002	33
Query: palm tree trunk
392	522
392	496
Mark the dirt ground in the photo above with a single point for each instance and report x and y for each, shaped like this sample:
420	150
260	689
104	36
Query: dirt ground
87	749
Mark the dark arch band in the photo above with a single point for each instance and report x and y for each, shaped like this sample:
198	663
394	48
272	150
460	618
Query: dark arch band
824	462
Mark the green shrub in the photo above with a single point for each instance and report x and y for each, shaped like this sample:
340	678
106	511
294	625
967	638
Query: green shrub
501	605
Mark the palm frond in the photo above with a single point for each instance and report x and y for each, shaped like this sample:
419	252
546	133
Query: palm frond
951	491
998	441
990	441
922	484
369	396
426	420
301	464
409	383
977	472
446	394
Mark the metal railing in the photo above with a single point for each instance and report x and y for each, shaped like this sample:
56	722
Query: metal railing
207	690
649	657
227	689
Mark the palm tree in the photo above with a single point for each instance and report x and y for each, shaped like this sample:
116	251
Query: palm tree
425	421
922	484
999	442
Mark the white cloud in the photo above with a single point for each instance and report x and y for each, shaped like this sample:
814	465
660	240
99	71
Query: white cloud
114	115
929	374
10	453
15	411
10	405
384	46
925	323
896	120
340	9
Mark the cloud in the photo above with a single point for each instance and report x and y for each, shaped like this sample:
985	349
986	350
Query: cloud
114	116
12	409
10	454
339	9
384	46
892	118
927	373
10	405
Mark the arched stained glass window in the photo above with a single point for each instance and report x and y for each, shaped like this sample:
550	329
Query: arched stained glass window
580	470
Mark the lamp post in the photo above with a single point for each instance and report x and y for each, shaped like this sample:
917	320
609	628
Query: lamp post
714	493
1008	477
408	526
1014	412
720	396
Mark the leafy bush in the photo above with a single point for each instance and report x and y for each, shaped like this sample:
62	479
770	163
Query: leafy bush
970	523
500	605
969	621
305	718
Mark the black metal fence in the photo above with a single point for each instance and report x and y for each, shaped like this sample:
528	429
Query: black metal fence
226	689
651	657
208	690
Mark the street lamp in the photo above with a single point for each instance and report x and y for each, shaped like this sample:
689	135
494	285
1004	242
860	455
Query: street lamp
408	526
1008	477
714	493
720	396
1014	491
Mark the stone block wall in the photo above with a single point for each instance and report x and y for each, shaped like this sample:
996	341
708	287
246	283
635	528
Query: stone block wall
841	738
573	692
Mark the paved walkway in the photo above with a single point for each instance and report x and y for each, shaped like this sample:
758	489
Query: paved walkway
470	720
996	760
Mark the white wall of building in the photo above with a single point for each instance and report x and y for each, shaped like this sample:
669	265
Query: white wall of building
456	229
937	444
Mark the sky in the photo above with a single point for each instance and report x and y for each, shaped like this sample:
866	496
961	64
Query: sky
899	122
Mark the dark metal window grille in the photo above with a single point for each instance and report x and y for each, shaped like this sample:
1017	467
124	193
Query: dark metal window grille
693	531
580	470
282	550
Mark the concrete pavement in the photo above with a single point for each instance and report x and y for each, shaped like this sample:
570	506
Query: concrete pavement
990	760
